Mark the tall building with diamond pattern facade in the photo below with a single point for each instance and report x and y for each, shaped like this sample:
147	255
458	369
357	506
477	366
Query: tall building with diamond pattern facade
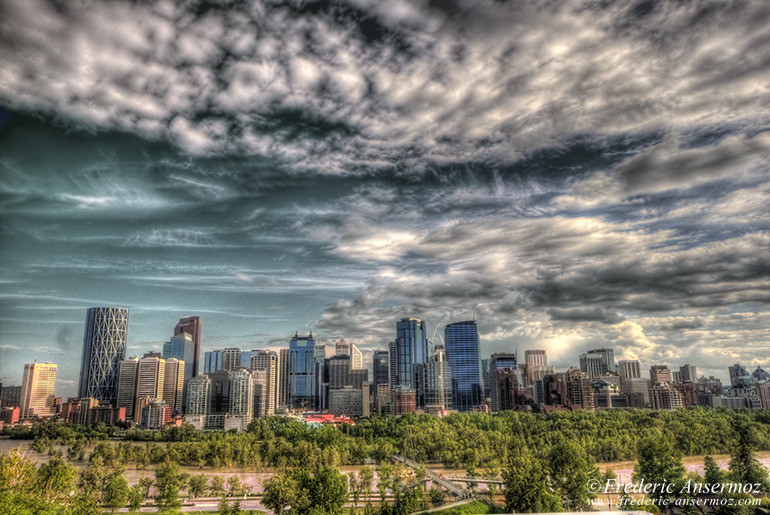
104	347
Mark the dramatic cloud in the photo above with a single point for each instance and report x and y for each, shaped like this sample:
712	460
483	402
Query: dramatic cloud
348	86
570	173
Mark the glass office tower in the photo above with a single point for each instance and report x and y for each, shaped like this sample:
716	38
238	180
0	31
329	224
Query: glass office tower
462	349
302	372
410	356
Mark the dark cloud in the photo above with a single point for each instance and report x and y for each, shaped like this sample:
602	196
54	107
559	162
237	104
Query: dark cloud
585	315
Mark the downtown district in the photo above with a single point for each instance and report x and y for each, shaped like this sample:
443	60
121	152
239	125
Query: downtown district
231	386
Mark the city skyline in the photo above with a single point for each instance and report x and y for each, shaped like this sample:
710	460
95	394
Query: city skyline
575	175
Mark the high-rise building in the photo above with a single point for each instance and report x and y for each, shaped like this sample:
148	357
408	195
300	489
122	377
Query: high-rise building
173	384
104	347
10	396
438	387
191	325
462	350
506	389
660	374
629	369
535	367
241	396
608	359
592	364
535	358
283	379
579	389
356	358
268	361
381	363
261	380
198	395
739	375
409	355
37	389
150	375
213	360
127	385
181	347
231	358
499	366
486	378
664	395
303	385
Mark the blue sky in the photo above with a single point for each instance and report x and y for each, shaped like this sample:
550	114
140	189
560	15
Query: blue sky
574	174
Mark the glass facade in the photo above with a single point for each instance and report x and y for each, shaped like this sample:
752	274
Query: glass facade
462	349
410	357
302	372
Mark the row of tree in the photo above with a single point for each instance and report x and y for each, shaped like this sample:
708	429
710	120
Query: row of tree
460	440
567	477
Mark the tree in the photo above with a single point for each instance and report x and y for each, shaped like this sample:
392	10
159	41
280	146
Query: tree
570	470
198	485
136	497
743	466
526	487
234	486
365	480
55	480
328	490
217	486
658	461
436	495
93	478
280	491
116	493
168	479
146	483
712	473
355	487
17	472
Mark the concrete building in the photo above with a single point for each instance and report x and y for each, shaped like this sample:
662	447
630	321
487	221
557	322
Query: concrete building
198	395
665	396
150	376
660	374
173	384
270	362
579	389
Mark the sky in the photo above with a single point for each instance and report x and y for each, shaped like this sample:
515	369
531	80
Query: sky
573	174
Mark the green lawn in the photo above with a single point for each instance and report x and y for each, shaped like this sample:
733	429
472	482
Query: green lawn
470	508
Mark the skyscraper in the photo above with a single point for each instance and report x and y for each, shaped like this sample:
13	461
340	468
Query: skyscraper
302	372
198	395
36	388
241	398
592	364
409	355
462	349
151	373
191	325
181	347
689	373
502	366
438	387
173	384
381	364
104	347
660	374
231	358
127	385
283	379
268	361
